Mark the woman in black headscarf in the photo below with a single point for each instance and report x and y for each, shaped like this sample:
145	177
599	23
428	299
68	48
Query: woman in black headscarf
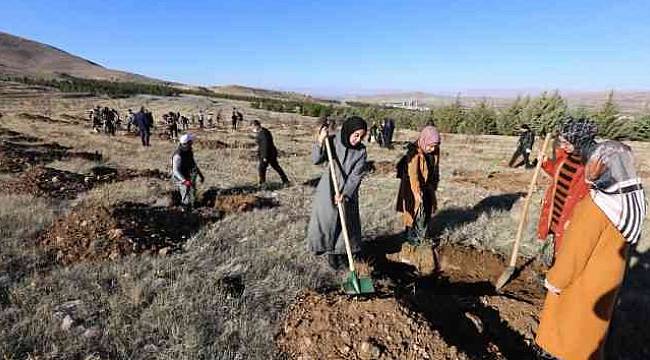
348	152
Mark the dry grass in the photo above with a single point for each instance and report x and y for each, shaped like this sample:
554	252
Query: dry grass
223	296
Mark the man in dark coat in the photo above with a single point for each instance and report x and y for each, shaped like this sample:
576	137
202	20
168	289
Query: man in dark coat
267	153
143	121
389	129
234	118
524	148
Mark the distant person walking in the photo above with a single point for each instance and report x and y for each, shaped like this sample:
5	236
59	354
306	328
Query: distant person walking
185	123
142	120
524	147
267	153
234	118
388	131
201	119
373	133
129	121
185	171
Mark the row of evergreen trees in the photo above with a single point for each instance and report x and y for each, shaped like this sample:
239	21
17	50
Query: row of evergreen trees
113	89
543	113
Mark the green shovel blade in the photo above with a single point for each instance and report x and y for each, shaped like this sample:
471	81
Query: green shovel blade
355	285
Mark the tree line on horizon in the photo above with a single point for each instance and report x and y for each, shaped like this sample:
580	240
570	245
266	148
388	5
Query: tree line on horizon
542	113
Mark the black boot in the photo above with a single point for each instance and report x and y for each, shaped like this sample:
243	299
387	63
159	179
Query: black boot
334	261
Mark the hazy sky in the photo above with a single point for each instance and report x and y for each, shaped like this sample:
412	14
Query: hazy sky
348	46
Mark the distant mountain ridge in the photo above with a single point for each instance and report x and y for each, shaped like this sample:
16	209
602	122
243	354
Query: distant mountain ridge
24	57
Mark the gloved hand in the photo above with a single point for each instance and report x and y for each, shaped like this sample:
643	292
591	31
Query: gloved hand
187	183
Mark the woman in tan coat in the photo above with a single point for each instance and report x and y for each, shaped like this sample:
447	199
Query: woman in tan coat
589	267
419	174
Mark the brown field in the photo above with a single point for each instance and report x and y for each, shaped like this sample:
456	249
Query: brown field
97	263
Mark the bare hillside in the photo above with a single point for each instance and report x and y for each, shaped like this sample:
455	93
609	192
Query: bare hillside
23	57
262	93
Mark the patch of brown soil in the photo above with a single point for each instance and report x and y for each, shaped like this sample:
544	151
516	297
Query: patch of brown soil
291	154
60	184
47	182
85	234
463	264
421	257
16	157
508	181
457	304
38	117
11	135
210	144
381	167
332	326
93	233
102	174
214	144
241	203
74	119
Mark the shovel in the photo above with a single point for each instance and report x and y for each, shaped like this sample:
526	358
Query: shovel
510	270
353	284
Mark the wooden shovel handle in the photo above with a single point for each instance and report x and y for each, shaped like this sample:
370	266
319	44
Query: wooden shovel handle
335	184
531	188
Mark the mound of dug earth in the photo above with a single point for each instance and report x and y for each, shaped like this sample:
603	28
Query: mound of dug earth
242	203
47	182
18	156
509	181
111	174
435	305
214	144
336	326
94	233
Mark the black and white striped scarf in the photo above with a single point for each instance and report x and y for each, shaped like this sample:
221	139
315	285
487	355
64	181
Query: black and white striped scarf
625	205
616	188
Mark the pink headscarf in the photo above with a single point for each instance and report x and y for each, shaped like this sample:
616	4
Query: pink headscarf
428	136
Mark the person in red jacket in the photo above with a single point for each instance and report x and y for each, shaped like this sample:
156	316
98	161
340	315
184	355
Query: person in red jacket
567	168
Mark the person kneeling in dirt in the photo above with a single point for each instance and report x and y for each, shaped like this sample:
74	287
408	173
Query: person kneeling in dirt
567	169
419	175
267	153
588	271
349	154
185	171
524	148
